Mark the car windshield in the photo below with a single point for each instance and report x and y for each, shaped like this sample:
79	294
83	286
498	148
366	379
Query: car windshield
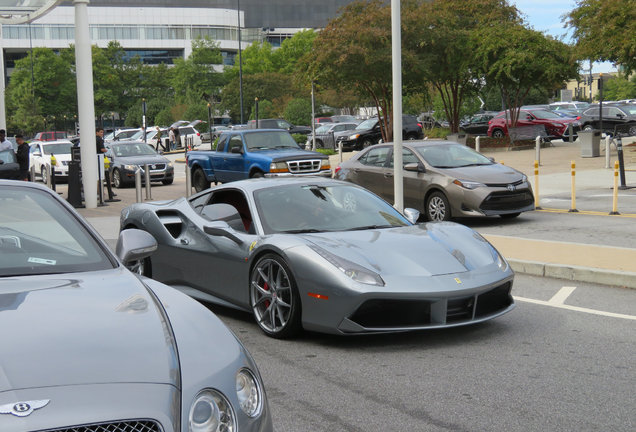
367	124
139	136
39	236
323	129
139	149
7	156
452	156
267	140
58	148
543	114
318	208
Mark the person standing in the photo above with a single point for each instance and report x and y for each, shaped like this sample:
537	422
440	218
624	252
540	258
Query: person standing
171	138
99	140
5	144
23	157
177	138
159	141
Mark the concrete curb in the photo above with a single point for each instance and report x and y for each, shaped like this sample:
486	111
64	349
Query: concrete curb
575	273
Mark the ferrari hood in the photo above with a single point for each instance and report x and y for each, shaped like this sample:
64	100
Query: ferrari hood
82	328
420	250
487	174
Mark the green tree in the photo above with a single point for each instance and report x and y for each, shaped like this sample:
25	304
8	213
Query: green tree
285	59
605	30
196	78
522	60
273	86
298	111
620	88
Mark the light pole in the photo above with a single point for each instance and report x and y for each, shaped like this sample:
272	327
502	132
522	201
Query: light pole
210	121
238	13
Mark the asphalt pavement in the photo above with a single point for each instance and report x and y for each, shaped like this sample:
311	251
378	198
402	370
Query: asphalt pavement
593	186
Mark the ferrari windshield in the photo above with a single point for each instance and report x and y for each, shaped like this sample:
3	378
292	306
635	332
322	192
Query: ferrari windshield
452	156
301	208
39	236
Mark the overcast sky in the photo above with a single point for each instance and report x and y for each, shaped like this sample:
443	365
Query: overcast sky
545	15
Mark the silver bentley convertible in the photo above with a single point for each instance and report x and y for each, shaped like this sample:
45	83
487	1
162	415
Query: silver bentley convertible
89	346
322	255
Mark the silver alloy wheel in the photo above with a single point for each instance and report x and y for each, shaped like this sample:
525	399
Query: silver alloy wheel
43	174
497	133
632	131
117	178
271	294
437	208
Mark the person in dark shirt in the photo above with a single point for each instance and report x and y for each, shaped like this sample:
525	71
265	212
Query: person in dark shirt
99	140
23	157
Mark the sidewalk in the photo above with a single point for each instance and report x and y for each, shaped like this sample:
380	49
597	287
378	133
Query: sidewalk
571	261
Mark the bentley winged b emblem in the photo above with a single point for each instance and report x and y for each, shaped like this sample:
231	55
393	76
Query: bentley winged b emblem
23	409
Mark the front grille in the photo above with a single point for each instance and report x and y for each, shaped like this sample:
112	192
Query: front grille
123	426
304	166
507	200
493	301
393	313
460	309
503	185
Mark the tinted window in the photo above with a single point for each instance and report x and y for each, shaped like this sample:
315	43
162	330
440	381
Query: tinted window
39	236
310	208
540	114
140	149
407	157
269	140
452	156
375	157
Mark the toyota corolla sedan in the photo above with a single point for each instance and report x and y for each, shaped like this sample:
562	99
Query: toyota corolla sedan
89	346
442	179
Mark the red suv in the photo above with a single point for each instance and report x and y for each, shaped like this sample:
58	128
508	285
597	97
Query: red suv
555	125
49	136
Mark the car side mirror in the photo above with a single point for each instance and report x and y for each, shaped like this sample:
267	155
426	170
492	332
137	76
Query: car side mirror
237	150
492	159
411	215
222	229
134	245
415	167
38	154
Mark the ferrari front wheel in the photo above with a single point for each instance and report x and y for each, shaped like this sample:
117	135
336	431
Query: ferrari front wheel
274	297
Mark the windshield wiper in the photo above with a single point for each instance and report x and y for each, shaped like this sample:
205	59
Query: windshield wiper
302	231
369	227
284	146
474	164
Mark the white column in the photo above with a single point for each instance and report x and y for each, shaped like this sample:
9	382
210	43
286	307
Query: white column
3	115
396	49
85	103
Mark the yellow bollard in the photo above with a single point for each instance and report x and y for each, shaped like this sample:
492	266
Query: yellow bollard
536	185
502	162
615	198
573	207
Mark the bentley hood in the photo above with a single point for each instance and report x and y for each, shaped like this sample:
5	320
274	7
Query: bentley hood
82	328
420	250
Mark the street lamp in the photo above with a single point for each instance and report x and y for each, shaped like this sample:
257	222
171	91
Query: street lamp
238	13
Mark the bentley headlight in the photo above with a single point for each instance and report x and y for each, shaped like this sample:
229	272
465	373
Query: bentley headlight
466	184
351	269
211	412
249	393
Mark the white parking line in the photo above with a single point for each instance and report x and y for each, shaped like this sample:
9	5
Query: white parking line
560	297
576	308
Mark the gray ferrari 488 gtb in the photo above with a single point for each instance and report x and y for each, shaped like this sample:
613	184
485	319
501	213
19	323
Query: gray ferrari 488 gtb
322	255
88	346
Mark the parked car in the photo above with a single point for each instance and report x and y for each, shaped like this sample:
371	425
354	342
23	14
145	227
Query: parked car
345	119
188	135
90	346
616	118
325	134
368	133
40	158
9	166
279	124
442	180
323	120
127	157
478	123
322	255
122	134
576	106
555	126
50	136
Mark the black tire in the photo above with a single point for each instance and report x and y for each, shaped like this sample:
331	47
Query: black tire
199	181
366	143
320	144
43	174
272	284
256	174
632	131
411	137
118	182
437	207
498	133
509	215
167	182
588	127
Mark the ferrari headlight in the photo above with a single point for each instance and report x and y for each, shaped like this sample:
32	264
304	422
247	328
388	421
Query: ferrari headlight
130	167
351	269
249	393
278	167
211	412
466	184
501	262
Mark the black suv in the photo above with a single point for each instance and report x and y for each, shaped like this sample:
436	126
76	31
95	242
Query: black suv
619	118
368	133
279	124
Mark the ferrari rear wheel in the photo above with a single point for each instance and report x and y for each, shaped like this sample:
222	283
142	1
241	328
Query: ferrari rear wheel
274	297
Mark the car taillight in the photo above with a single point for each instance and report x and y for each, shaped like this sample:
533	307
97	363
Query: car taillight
420	125
578	117
337	169
489	121
198	134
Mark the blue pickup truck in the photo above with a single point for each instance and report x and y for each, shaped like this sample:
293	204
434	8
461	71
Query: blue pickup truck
249	153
